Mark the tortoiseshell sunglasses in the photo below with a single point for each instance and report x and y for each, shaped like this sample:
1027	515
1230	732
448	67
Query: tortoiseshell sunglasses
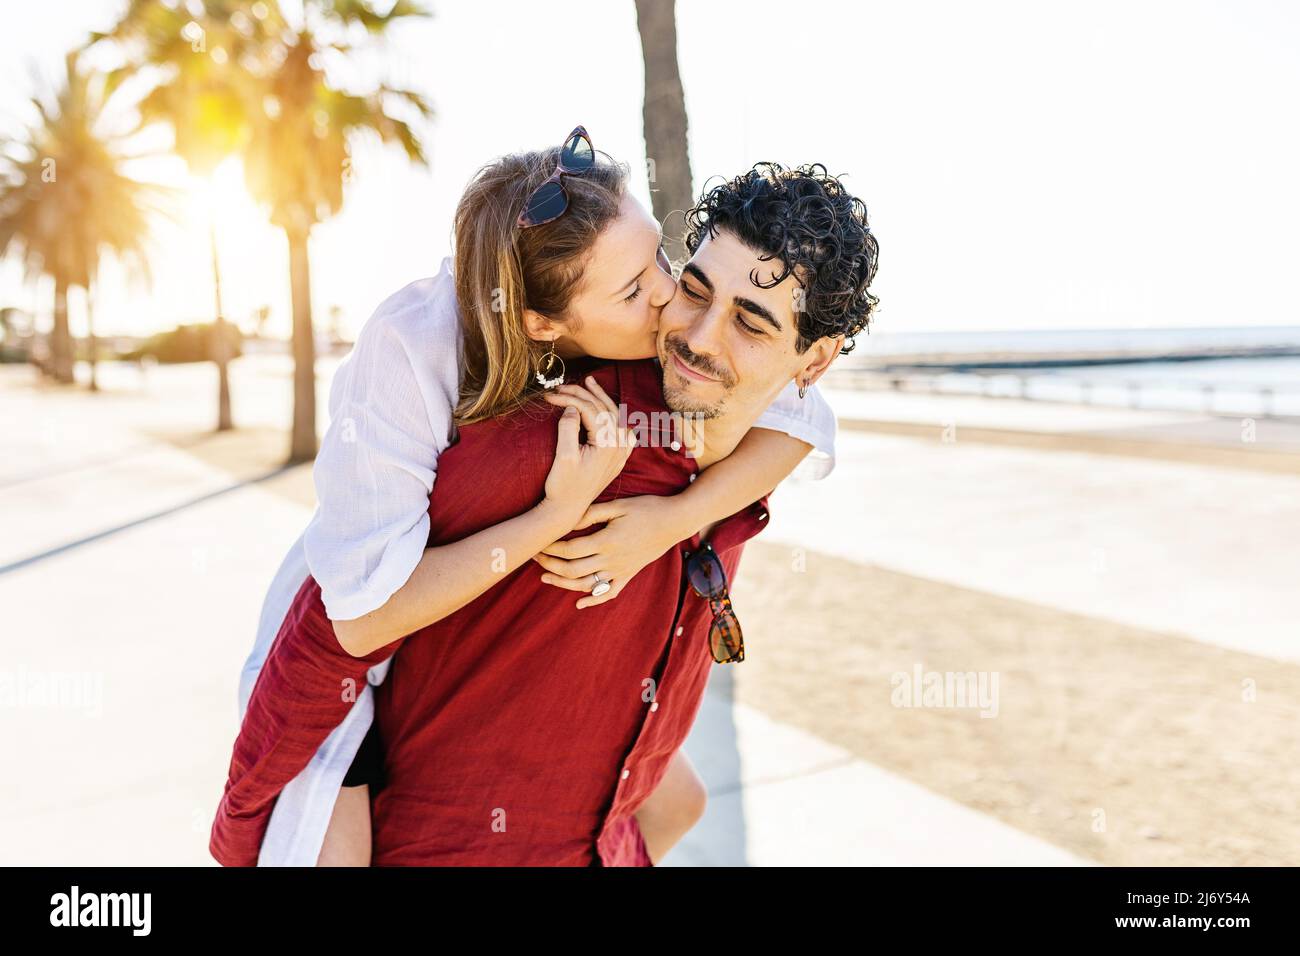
549	200
709	581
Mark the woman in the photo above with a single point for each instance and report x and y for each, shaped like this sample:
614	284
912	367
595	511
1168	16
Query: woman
547	267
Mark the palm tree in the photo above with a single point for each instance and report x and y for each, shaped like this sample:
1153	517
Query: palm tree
664	118
298	158
203	89
291	122
65	199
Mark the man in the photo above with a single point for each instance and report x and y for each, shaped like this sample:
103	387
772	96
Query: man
520	730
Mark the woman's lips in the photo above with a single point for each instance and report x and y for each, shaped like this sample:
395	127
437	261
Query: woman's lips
684	369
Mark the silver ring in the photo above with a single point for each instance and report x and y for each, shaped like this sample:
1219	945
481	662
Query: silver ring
601	586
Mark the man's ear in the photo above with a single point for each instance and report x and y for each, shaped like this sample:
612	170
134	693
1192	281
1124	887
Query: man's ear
539	328
818	358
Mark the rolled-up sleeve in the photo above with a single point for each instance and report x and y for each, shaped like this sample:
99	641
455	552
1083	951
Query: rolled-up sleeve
811	420
374	474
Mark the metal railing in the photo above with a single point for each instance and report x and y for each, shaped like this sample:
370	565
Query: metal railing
1276	400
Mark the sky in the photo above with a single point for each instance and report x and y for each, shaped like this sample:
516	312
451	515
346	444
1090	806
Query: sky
1024	165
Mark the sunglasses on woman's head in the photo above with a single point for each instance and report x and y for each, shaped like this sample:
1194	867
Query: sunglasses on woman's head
708	579
549	200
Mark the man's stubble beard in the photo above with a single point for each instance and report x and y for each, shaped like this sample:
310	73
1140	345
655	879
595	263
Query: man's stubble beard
678	398
679	402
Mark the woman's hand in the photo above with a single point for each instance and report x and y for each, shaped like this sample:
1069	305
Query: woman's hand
638	531
581	471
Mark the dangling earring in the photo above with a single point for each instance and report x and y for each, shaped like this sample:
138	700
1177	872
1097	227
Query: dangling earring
803	388
545	365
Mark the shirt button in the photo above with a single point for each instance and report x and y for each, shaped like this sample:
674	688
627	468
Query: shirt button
626	773
675	445
654	706
679	630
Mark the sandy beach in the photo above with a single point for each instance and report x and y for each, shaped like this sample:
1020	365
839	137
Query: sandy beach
1144	733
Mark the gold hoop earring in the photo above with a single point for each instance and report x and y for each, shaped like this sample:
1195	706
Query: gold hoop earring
803	388
546	365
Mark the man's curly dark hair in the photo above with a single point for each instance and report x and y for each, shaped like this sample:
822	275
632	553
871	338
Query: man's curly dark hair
807	219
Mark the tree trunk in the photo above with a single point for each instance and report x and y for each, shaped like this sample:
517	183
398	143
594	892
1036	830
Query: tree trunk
92	347
60	337
302	445
668	161
221	338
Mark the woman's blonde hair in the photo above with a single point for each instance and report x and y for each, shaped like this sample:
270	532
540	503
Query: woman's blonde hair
501	269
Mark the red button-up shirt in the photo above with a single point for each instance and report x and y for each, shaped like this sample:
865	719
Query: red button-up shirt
517	731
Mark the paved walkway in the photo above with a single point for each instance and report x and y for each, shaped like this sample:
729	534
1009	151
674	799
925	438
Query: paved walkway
1202	551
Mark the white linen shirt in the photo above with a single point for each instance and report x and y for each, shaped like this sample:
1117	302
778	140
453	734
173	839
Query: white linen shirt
391	405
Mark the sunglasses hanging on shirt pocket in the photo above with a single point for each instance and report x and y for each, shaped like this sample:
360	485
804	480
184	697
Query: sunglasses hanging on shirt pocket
708	579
